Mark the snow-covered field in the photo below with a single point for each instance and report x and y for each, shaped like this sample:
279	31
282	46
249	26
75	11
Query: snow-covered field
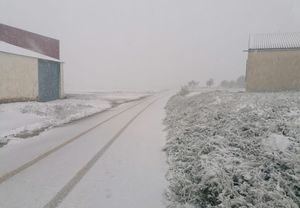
234	149
26	119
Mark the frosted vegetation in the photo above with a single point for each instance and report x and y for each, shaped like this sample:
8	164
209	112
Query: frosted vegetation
233	150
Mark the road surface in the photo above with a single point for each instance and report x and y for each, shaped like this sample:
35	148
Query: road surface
111	160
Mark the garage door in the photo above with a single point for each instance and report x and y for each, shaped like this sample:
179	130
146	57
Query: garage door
49	80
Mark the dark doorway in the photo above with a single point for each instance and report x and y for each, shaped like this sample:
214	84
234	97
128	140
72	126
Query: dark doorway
49	80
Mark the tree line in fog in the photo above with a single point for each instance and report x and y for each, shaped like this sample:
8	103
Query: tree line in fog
238	83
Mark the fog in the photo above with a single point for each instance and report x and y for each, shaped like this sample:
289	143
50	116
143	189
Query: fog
150	44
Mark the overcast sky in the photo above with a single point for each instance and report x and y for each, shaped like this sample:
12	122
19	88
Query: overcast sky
150	44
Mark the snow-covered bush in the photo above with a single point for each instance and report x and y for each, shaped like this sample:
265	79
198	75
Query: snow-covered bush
234	150
184	91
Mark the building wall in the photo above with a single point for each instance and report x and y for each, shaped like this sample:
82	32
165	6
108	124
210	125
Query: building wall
62	89
18	78
49	76
273	70
32	41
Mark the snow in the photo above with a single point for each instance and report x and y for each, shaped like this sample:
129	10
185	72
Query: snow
274	41
26	119
200	90
233	149
278	142
130	174
9	48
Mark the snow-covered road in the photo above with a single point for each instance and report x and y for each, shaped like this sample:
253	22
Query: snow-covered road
110	160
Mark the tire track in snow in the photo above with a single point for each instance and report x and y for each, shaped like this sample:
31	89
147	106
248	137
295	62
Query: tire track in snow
26	165
63	193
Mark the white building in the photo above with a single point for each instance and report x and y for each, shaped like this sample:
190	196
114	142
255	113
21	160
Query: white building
273	62
26	75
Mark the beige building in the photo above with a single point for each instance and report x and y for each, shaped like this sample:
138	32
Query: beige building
27	75
273	62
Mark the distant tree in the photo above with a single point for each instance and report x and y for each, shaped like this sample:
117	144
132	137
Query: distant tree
184	91
210	82
240	82
232	84
193	84
224	84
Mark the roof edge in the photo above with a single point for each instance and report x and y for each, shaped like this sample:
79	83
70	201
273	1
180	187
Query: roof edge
271	49
28	56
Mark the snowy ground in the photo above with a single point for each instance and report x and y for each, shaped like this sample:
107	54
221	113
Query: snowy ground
26	119
117	164
234	149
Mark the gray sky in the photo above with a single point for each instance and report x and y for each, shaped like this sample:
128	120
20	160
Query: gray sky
150	44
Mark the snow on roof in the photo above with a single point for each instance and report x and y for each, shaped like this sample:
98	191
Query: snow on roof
274	41
9	48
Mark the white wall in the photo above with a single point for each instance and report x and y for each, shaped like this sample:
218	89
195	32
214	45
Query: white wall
18	78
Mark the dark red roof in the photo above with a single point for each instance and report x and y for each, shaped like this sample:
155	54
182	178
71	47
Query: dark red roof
32	41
